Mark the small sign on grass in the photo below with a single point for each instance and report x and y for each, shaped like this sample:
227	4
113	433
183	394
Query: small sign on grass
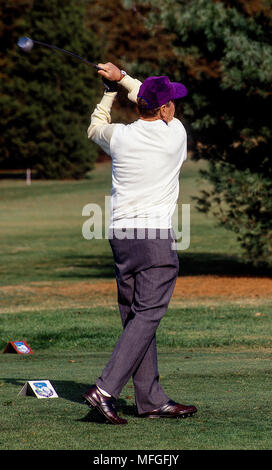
18	347
39	389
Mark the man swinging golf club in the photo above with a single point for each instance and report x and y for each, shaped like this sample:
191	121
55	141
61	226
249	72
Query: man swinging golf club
146	159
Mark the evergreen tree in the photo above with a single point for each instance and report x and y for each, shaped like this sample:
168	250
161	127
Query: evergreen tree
223	54
128	43
47	96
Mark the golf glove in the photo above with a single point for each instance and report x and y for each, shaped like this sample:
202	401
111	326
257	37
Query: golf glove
110	85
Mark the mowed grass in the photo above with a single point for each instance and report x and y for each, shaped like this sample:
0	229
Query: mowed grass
231	390
215	355
98	328
41	231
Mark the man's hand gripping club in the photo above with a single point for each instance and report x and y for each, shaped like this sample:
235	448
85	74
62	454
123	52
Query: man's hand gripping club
110	76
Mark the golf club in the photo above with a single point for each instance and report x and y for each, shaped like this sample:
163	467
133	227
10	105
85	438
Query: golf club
26	44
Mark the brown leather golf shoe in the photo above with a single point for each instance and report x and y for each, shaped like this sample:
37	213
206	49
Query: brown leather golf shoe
171	410
105	405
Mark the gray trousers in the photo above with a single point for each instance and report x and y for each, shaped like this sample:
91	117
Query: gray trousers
146	273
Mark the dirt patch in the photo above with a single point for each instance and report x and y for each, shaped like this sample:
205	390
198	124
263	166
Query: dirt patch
222	286
44	295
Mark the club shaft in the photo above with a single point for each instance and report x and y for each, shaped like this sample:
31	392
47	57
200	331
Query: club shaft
67	52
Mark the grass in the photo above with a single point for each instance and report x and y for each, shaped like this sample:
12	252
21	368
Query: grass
231	390
215	355
41	231
98	328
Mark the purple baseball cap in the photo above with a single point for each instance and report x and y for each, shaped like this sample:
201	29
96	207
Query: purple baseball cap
156	91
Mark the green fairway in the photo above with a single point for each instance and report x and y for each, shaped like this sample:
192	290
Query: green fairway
97	329
89	92
231	390
217	359
57	293
41	231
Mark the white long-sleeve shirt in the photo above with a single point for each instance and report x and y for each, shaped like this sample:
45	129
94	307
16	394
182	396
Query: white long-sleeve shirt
101	129
146	161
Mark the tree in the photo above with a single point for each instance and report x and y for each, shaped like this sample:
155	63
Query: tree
46	96
128	43
223	53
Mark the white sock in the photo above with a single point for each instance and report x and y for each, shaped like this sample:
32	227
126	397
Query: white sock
103	392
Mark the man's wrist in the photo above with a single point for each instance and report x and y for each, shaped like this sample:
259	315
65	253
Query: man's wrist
122	75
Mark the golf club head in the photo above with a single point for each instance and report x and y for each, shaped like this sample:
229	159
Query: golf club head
25	44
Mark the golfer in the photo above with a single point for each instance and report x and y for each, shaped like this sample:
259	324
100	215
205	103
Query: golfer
146	159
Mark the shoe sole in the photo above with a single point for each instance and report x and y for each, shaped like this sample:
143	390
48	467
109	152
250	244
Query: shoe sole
90	402
185	415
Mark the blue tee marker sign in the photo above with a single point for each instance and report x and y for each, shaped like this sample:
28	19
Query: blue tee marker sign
18	347
39	388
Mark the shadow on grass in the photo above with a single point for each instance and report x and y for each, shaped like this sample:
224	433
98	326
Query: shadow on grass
67	389
95	417
72	391
191	264
90	266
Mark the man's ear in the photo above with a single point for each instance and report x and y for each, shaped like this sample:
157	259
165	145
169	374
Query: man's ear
162	111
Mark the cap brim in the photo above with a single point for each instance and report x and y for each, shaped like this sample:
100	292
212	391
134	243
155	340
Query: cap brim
180	90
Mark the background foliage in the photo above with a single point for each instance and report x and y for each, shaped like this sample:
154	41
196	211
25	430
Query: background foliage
45	95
